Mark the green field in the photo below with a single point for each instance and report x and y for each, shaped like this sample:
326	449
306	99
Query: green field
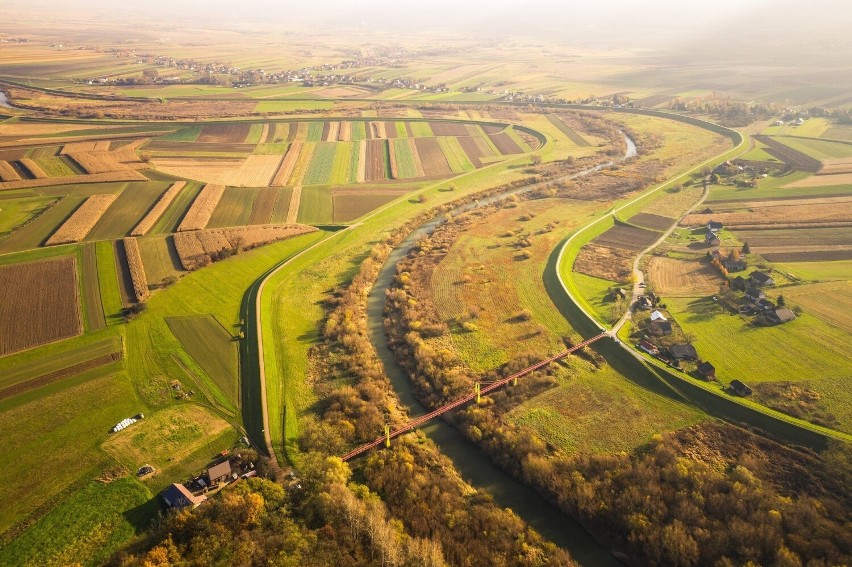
160	259
134	202
818	149
322	163
292	106
170	219
595	290
405	165
316	205
36	232
189	134
90	524
314	131
214	349
234	208
456	156
15	212
421	130
818	271
802	350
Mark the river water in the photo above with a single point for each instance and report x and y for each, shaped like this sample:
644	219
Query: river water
474	464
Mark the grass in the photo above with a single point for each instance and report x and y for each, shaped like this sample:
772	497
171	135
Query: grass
214	349
93	309
818	149
316	206
456	156
15	212
595	290
55	167
37	231
170	219
606	413
134	202
177	441
58	428
804	349
183	135
421	130
108	282
89	525
818	271
314	131
829	301
160	259
253	136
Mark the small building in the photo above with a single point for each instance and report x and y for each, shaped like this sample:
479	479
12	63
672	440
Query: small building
761	279
648	347
707	371
220	472
179	496
764	305
712	239
754	295
714	226
738	283
779	316
658	316
619	293
740	389
683	352
660	328
735	265
644	303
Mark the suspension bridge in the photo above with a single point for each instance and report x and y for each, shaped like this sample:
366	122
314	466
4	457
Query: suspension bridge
479	389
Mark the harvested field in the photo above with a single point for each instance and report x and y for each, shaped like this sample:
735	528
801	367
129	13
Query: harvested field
345	133
361	175
300	170
331	131
7	172
390	130
823	180
376	161
448	129
473	150
264	203
34	169
830	301
350	204
92	304
199	248
788	155
432	158
415	153
651	221
234	207
505	144
799	238
394	168
627	237
255	171
147	223
285	170
82	221
202	208
809	255
40	304
137	269
682	278
86	146
126	175
160	147
836	166
295	204
614	264
97	162
224	133
786	213
208	170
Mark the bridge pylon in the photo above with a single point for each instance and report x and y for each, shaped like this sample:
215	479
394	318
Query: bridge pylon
387	436
476	388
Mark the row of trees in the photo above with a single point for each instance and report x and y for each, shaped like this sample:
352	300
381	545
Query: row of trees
660	505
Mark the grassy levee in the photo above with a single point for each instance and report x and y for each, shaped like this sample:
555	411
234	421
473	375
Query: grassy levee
706	396
294	296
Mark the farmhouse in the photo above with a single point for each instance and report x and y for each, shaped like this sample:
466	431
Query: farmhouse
683	352
648	347
707	371
779	316
644	303
219	473
753	294
657	316
660	328
714	226
712	239
740	389
764	305
735	265
178	496
761	279
738	283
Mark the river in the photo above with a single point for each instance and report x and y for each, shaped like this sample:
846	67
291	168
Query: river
474	465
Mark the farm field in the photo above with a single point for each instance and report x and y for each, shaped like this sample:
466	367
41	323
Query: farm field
804	350
831	302
682	278
780	213
40	303
818	270
211	346
160	259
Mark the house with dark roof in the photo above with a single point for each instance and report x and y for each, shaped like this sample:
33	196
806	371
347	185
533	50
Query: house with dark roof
683	352
714	226
764	305
660	328
644	303
738	283
707	371
740	389
220	472
179	496
753	294
735	265
761	279
712	239
779	316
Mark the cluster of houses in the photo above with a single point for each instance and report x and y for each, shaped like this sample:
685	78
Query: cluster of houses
194	493
756	302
